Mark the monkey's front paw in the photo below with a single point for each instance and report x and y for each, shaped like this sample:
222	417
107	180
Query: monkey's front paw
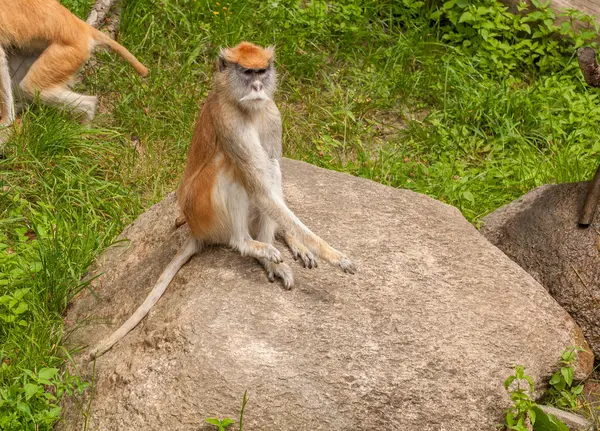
281	271
261	250
347	265
272	254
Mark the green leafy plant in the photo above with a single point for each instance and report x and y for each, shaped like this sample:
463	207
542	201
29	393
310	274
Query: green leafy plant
522	414
32	401
546	422
222	424
562	393
502	41
12	307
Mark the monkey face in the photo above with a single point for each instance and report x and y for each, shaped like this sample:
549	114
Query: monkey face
256	84
246	74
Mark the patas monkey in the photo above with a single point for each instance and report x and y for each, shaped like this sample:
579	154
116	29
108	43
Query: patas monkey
44	45
232	182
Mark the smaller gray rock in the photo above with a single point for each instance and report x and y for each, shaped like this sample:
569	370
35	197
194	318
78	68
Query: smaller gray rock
540	233
574	421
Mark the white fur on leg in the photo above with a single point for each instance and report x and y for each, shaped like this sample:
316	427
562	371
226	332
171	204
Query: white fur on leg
80	103
273	204
232	196
266	233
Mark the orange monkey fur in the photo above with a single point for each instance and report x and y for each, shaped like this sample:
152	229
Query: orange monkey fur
31	24
63	42
248	55
195	189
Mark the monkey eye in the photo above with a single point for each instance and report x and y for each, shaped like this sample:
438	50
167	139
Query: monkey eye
248	72
261	71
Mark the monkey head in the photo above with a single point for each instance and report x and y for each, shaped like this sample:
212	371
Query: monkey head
246	74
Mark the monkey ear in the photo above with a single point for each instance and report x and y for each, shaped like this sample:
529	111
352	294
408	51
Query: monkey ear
271	50
222	61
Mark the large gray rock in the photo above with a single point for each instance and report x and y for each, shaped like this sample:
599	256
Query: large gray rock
540	233
421	338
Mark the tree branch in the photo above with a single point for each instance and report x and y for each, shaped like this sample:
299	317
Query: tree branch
99	12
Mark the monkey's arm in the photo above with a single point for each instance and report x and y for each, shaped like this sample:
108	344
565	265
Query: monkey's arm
262	178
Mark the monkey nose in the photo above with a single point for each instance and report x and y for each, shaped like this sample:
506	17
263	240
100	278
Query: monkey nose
257	86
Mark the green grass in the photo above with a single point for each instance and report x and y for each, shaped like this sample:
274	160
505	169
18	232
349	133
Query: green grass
378	89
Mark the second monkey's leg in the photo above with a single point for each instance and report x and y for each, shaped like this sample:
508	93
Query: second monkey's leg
7	104
49	75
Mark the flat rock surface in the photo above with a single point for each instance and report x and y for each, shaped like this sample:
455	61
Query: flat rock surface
540	233
421	338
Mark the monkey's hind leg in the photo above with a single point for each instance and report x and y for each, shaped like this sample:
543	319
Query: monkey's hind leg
303	245
7	104
266	233
299	250
238	207
49	75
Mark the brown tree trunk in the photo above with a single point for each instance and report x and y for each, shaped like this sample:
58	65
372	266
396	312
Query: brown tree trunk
588	64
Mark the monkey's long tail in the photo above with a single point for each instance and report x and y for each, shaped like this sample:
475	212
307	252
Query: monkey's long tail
191	247
104	39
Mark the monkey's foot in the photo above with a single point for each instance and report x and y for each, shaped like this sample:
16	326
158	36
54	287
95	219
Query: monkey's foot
338	258
347	265
281	271
86	108
300	251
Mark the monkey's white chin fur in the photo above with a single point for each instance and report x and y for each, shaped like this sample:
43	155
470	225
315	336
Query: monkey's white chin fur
260	95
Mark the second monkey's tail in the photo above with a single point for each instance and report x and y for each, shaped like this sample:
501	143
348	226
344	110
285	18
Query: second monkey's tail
104	39
191	247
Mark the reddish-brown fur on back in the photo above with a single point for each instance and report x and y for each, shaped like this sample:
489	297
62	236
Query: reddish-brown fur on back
248	55
195	190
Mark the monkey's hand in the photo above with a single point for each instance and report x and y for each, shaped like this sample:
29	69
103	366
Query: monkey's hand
260	250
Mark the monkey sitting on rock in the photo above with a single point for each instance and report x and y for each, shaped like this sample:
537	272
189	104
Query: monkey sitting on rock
231	186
